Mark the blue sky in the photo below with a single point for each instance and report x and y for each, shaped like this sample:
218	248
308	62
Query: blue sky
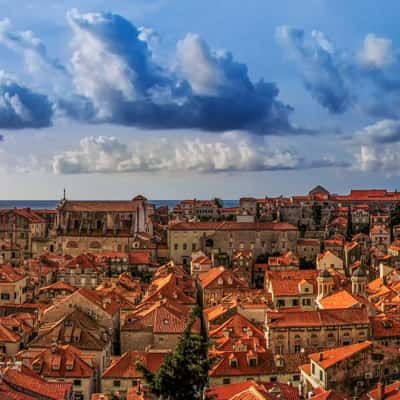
180	98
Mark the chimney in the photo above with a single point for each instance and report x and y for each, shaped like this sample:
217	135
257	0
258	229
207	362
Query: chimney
321	356
381	391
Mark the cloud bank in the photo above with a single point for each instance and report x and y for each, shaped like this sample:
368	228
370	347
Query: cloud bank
208	90
229	153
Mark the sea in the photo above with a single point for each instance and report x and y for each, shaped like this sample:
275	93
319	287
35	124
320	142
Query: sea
52	204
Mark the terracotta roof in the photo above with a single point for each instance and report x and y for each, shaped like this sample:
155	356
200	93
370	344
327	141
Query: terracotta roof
61	362
329	358
286	283
383	327
164	316
26	213
124	367
346	316
236	331
321	394
378	230
101	206
250	390
368	195
181	288
391	392
202	260
84	262
265	365
217	311
210	277
139	257
9	274
343	299
327	253
233	226
60	285
27	380
111	307
76	327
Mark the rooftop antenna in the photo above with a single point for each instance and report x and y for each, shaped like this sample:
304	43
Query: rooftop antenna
64	195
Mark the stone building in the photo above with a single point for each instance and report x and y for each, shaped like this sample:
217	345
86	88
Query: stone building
218	282
228	237
158	324
21	227
66	364
13	285
290	332
95	226
239	366
123	374
292	288
83	270
350	369
104	311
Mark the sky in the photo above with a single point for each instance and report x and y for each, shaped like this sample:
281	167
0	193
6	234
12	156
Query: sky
181	99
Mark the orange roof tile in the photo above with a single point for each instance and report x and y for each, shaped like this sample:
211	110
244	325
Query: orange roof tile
329	358
125	367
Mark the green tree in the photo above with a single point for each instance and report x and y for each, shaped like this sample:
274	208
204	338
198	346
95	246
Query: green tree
184	373
218	202
395	214
317	214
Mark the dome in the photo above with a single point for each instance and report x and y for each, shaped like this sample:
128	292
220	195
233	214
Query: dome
324	274
139	197
359	273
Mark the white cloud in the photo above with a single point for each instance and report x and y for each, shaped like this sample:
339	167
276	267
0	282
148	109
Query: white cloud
377	147
199	66
229	153
379	159
376	51
384	131
20	107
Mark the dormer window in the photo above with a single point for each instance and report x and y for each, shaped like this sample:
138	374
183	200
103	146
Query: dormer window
230	281
233	363
253	362
220	281
166	321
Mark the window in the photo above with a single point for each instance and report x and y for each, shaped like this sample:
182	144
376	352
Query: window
281	303
296	378
295	302
226	381
176	246
193	246
184	247
253	362
297	348
5	296
306	302
273	379
117	383
234	363
313	369
321	376
77	382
